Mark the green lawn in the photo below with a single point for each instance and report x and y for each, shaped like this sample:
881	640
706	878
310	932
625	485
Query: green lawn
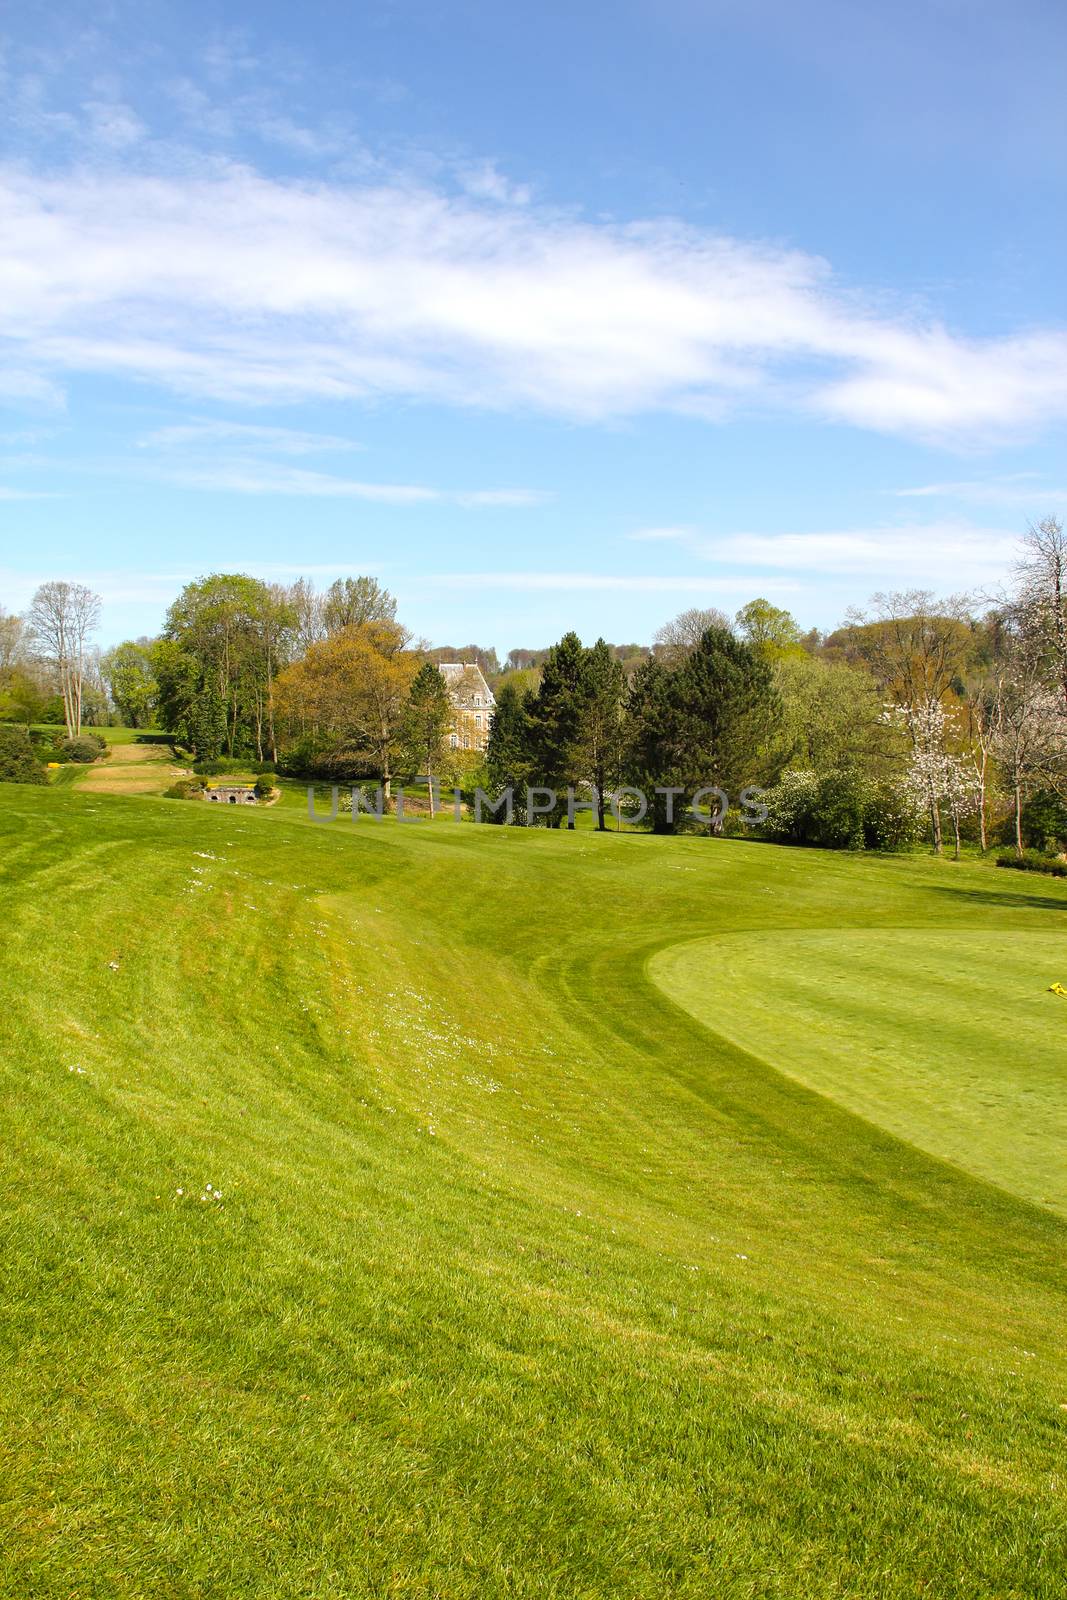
535	1271
112	735
948	1038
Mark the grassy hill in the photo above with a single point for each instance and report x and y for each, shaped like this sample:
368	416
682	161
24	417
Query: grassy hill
451	1212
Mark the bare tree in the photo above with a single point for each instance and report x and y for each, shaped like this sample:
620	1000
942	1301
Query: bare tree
62	618
14	640
915	644
1029	731
980	701
309	627
680	637
1041	602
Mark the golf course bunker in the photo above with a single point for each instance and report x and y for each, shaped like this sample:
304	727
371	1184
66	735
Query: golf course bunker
948	1039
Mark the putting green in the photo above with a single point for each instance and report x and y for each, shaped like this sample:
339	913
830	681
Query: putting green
949	1040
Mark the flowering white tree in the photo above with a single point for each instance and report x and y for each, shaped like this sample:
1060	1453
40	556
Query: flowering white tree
937	778
1040	606
1029	734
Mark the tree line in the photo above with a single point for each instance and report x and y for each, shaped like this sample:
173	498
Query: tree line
920	714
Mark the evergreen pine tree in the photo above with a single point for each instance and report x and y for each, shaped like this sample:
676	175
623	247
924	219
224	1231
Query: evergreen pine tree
655	742
727	700
600	736
557	720
507	756
425	722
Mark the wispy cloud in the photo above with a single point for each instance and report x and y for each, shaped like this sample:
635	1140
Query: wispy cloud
210	431
1018	489
933	552
484	181
662	535
262	477
215	281
647	582
115	588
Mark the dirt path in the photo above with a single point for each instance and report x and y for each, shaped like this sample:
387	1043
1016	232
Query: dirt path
133	769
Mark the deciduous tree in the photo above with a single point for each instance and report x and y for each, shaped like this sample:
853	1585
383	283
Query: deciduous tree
129	672
62	619
351	602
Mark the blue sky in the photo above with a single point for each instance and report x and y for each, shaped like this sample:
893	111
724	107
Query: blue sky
555	316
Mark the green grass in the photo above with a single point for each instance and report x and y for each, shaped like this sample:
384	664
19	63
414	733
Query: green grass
948	1038
525	1281
112	735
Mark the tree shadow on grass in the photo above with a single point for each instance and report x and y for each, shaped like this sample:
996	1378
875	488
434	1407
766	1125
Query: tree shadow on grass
989	897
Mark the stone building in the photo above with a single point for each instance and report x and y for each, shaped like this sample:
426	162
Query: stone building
472	702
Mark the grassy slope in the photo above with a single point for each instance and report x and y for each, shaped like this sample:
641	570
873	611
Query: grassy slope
522	1282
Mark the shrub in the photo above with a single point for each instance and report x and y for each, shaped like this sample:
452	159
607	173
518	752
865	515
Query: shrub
841	810
1044	821
310	759
184	789
264	788
211	769
892	818
790	804
18	762
85	747
814	809
1033	861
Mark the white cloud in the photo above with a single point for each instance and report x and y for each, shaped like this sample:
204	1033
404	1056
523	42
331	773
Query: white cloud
201	431
664	535
646	583
113	124
218	282
934	552
115	588
1018	489
159	588
21	388
484	181
263	477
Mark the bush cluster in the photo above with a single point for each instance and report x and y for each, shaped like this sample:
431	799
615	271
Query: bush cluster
19	762
1044	823
184	789
1033	861
841	810
217	766
85	747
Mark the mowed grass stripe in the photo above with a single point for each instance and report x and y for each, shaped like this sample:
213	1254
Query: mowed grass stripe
522	1282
